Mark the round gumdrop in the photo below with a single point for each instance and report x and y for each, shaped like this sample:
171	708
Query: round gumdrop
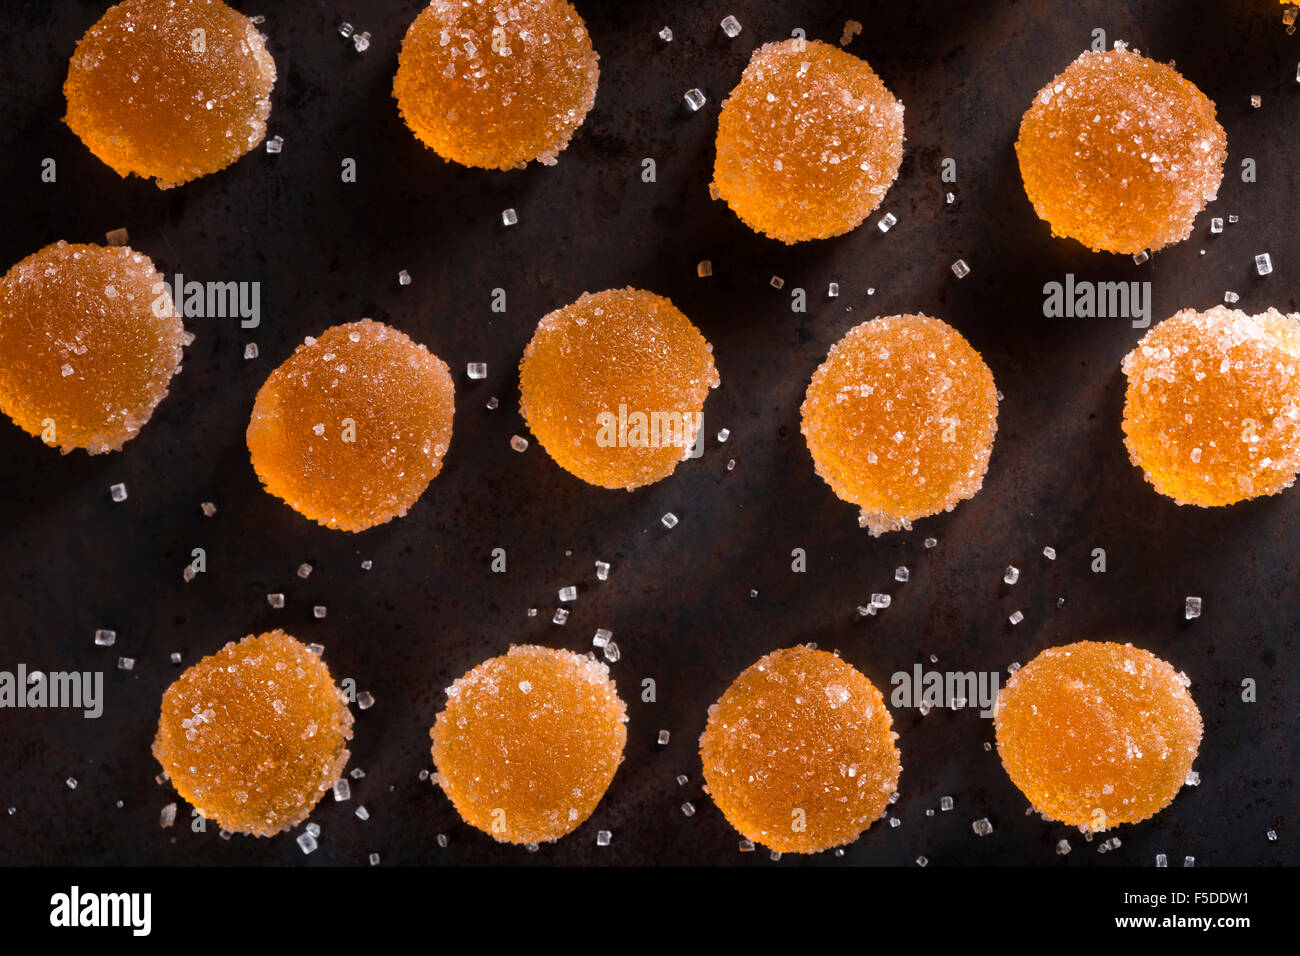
809	141
528	743
1096	734
496	83
613	386
1212	412
900	419
1120	152
89	341
351	429
799	754
253	735
170	90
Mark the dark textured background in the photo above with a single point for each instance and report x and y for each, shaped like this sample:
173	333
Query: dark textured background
678	601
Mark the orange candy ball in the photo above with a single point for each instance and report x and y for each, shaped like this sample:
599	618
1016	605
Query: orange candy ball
1120	152
799	754
254	734
170	90
1212	412
900	419
351	429
613	386
496	83
89	341
529	742
808	142
1097	734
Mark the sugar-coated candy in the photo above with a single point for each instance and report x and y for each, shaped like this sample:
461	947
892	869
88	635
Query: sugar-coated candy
1212	411
351	429
613	386
89	341
808	142
529	742
1121	152
170	90
496	83
1097	734
799	753
900	419
255	734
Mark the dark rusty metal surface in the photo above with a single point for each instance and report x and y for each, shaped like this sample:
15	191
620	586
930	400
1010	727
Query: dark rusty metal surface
678	601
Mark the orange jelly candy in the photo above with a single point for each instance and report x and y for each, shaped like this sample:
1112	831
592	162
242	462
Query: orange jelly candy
1096	734
529	742
89	341
613	386
799	753
900	419
809	142
170	90
351	429
253	735
496	83
1212	413
1120	152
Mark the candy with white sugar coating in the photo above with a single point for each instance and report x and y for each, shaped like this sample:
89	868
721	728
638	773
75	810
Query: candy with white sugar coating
613	386
1121	152
351	429
1212	411
1096	733
809	141
255	734
496	83
170	91
529	742
900	419
89	342
799	754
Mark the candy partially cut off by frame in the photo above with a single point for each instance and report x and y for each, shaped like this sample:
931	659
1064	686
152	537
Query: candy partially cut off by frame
1096	734
613	386
799	754
253	735
900	419
89	341
808	142
1121	152
169	90
496	83
529	742
1212	411
351	429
